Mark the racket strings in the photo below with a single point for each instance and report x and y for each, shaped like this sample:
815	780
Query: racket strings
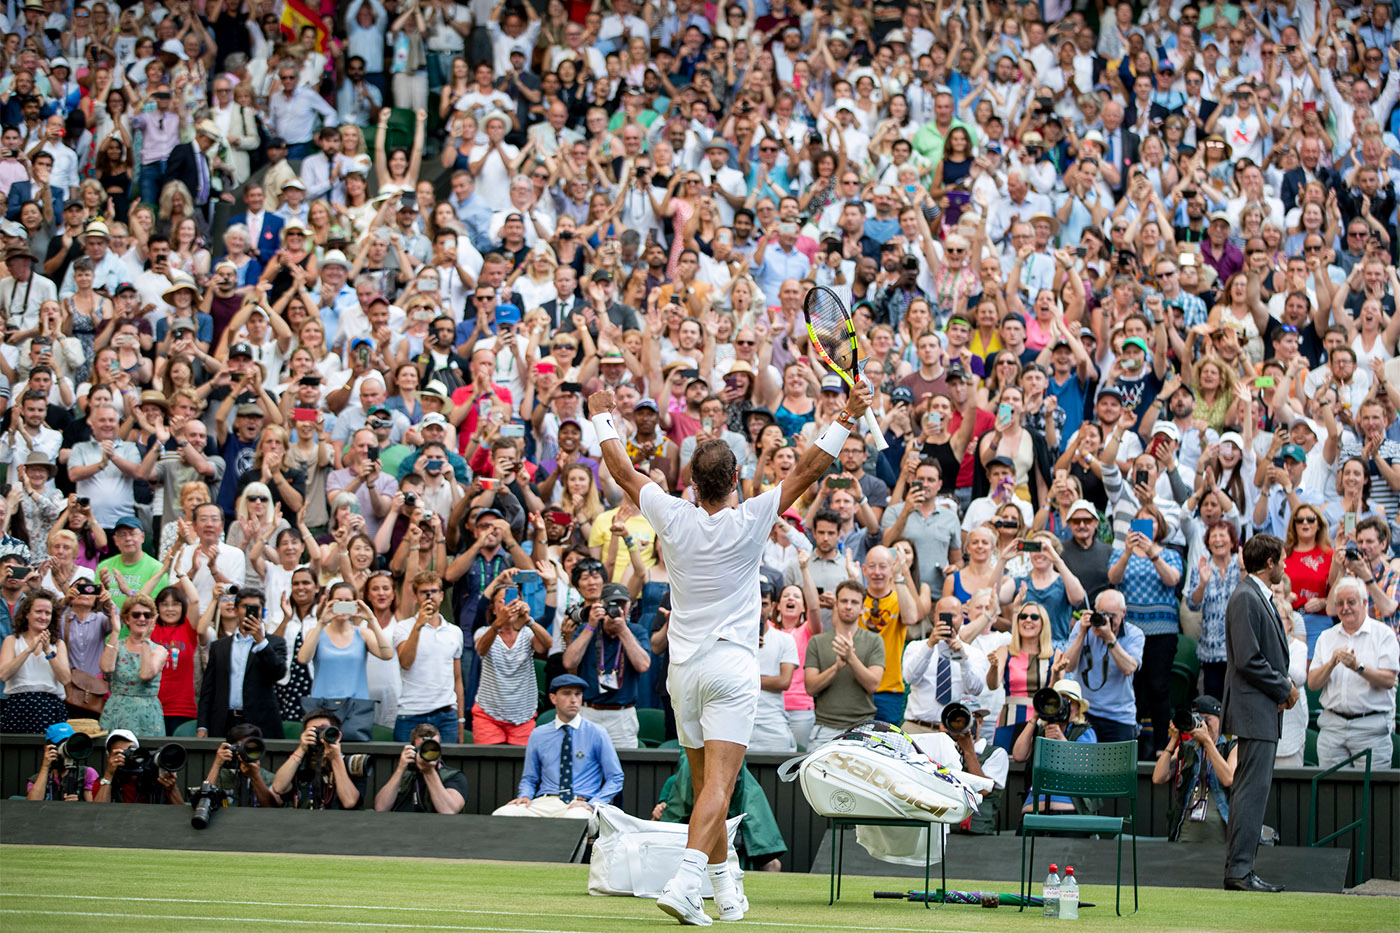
829	326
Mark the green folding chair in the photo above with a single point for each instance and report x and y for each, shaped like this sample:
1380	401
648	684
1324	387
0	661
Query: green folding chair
186	729
1310	748
292	728
545	718
378	733
1083	769
651	727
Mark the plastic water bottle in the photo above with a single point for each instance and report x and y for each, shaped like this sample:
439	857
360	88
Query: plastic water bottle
1050	894
1069	895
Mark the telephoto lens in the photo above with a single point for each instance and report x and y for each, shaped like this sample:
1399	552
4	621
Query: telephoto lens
1050	706
328	735
956	718
77	747
430	750
171	757
250	750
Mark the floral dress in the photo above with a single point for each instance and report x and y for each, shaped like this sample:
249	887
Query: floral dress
1211	646
134	703
298	683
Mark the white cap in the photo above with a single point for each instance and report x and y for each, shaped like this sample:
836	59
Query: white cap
1232	437
1167	428
175	47
432	417
1082	505
122	734
334	257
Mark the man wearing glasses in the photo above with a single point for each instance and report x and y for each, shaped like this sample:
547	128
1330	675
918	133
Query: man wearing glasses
292	111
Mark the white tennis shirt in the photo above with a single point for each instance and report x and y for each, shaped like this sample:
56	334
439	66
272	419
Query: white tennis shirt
713	563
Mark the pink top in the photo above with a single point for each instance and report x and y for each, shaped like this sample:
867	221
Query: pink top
796	696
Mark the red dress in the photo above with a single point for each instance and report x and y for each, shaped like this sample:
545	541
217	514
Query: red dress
177	677
1308	572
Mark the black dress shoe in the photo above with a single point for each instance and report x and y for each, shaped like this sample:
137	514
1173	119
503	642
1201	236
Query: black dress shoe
1252	882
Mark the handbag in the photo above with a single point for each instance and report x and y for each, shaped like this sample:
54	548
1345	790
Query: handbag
86	691
356	715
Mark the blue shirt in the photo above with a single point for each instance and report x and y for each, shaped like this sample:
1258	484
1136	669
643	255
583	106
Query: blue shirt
605	653
881	231
597	774
238	666
779	266
1109	692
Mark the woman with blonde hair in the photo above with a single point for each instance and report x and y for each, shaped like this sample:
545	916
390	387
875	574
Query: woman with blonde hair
1214	386
578	495
352	141
255	517
1022	667
175	202
286	486
319	219
178	526
533	280
187	252
1239	306
87	310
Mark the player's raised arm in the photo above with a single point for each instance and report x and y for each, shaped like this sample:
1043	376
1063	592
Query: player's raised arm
822	454
602	411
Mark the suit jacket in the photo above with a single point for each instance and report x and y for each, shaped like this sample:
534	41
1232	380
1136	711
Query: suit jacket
22	191
270	240
1294	179
182	166
1127	155
260	705
1256	673
552	308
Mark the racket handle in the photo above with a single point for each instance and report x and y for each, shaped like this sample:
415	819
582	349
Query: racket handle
872	424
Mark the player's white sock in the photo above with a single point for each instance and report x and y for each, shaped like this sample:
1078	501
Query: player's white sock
693	864
722	882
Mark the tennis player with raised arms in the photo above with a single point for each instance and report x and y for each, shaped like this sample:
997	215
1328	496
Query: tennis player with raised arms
714	552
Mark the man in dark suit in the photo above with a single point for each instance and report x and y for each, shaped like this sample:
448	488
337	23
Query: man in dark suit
264	227
1257	691
30	190
562	308
1120	148
1309	155
243	667
193	163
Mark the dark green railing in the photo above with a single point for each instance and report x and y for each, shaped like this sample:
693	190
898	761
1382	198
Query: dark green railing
1360	824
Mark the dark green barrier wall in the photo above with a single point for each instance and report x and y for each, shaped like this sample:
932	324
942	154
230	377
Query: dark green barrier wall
494	771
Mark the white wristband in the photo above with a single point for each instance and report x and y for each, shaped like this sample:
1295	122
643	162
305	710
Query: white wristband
833	438
603	425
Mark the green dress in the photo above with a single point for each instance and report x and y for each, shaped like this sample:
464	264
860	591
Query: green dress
134	703
760	839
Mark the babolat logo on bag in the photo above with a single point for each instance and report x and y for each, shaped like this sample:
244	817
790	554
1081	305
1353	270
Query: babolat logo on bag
880	779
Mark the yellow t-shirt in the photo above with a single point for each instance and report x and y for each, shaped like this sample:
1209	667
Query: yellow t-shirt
642	536
882	617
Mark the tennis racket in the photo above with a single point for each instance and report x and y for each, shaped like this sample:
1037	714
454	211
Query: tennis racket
834	338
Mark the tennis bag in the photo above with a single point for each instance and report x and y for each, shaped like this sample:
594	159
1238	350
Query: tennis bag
633	857
875	770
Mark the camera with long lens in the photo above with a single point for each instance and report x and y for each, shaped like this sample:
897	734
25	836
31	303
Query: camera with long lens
77	747
430	750
1051	706
142	767
328	734
956	718
1187	721
205	798
248	751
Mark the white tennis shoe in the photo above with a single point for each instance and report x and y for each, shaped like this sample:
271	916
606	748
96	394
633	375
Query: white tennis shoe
734	910
687	907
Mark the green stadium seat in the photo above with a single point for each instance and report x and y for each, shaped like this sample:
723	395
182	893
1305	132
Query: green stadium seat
675	743
292	729
378	733
1310	749
1314	705
651	727
1081	769
186	729
544	718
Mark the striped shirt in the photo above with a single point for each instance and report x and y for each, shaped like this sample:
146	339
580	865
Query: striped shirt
507	691
1382	496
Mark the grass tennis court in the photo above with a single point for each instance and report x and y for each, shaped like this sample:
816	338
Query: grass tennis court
51	887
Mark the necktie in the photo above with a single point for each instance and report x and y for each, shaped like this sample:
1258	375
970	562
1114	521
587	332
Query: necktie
566	767
943	682
202	196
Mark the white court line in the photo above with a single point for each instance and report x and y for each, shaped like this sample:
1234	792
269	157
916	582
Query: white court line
446	910
263	920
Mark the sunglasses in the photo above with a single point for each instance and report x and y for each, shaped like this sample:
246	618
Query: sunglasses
141	614
1025	616
745	343
1306	519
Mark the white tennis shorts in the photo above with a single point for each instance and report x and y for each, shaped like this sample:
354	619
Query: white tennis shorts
715	695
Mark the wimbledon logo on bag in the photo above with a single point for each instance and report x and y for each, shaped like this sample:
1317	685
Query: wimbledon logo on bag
879	779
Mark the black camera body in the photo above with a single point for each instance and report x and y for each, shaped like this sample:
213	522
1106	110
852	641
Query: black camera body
956	718
1187	720
249	751
205	798
614	610
1353	552
1099	619
410	500
328	734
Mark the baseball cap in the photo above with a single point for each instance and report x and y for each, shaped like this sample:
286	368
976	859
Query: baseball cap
58	732
129	521
1082	505
1221	216
615	593
507	313
602	275
1167	429
1206	705
240	349
435	389
645	403
1232	437
902	394
1294	452
567	680
1136	342
1112	391
1001	461
377	408
833	383
431	418
122	734
248	409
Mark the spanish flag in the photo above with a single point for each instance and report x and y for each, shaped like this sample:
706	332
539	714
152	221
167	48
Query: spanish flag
296	16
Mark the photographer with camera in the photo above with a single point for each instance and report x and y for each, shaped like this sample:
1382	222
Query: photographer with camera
1103	656
318	775
421	783
241	674
1058	713
237	774
137	775
941	669
607	653
506	697
1200	764
63	773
